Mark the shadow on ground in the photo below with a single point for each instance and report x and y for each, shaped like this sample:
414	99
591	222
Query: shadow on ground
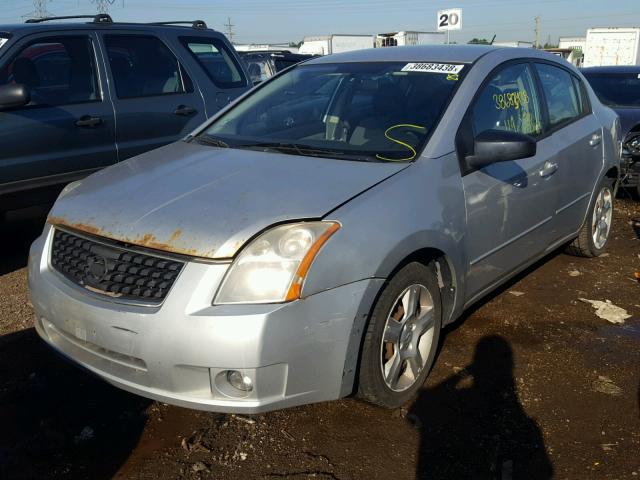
474	426
58	421
15	239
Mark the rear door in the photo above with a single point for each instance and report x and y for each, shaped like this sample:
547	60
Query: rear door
576	140
67	130
510	205
154	97
222	69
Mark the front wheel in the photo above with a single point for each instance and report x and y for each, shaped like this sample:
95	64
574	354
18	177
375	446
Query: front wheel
402	337
594	234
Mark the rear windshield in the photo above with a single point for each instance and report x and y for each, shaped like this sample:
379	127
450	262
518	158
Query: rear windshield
382	111
617	90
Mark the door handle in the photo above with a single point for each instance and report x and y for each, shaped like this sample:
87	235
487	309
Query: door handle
184	110
88	121
595	139
548	169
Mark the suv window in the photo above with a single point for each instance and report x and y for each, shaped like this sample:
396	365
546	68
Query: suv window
509	102
563	102
143	66
58	71
214	57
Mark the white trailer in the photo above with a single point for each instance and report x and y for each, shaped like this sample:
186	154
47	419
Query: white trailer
403	38
514	44
328	44
612	46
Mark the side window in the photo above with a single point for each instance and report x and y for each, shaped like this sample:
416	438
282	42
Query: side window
58	71
509	102
215	59
143	66
563	102
583	101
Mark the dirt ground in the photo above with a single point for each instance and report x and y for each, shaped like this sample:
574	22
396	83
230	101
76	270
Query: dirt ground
529	384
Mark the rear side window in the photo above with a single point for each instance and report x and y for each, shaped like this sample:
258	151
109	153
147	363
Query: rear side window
563	101
509	101
215	59
58	71
143	66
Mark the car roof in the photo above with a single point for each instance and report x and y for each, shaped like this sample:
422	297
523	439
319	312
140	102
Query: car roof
56	25
621	69
421	53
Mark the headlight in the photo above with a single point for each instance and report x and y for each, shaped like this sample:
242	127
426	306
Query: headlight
272	268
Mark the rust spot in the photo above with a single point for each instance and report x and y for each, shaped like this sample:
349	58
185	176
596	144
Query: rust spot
144	240
77	226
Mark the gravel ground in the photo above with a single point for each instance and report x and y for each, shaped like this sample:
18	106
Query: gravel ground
529	384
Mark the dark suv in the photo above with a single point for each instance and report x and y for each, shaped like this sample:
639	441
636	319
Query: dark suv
76	97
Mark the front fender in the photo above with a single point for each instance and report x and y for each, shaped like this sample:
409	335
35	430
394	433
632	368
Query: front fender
420	207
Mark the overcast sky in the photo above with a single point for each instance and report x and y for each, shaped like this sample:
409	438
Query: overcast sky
288	20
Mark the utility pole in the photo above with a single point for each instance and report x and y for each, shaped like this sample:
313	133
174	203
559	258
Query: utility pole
103	5
39	10
229	26
537	30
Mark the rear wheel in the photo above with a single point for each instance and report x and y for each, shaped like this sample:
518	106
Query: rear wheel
594	234
402	337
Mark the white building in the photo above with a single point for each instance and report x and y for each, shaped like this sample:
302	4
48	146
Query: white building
573	43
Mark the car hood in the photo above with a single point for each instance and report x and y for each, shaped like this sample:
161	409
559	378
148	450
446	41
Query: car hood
629	118
206	201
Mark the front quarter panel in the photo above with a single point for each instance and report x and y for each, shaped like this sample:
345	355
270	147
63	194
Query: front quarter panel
420	207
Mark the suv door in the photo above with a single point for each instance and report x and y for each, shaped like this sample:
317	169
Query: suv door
154	98
510	205
67	129
576	138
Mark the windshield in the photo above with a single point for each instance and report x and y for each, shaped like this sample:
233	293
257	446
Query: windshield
358	111
617	90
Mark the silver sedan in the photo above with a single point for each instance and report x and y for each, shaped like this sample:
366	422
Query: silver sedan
311	240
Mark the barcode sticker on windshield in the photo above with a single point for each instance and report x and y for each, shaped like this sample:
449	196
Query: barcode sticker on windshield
433	68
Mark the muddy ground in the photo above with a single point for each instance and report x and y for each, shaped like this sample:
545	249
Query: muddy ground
530	384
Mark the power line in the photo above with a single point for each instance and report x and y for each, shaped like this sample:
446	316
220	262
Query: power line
39	10
229	26
103	5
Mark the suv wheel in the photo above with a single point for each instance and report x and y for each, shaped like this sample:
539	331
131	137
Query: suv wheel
594	234
402	337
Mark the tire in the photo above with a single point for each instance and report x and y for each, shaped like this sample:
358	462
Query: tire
393	353
585	244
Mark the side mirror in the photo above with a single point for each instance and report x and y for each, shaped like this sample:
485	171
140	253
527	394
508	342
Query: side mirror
14	95
493	146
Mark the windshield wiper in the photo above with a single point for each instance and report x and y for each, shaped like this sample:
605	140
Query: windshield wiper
211	141
306	150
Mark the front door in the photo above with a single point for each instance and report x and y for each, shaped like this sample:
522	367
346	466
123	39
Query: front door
67	130
510	205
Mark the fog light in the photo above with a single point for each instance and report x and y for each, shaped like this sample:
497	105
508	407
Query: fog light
239	381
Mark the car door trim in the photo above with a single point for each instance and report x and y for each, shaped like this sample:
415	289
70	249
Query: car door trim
573	202
46	181
510	241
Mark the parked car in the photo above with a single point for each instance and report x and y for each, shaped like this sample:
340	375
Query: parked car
77	97
262	65
619	88
312	239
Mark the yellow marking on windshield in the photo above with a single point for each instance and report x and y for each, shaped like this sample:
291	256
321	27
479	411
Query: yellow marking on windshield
400	142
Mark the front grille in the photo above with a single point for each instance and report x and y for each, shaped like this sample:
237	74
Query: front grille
113	270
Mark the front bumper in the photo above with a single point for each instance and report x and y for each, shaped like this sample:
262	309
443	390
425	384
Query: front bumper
178	352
